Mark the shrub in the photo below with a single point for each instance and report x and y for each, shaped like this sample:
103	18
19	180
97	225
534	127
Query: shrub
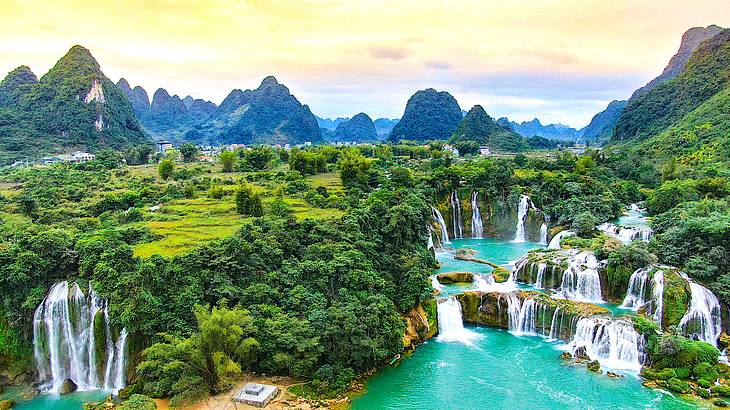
722	390
248	202
165	168
678	386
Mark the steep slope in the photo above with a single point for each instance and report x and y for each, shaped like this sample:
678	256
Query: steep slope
267	115
691	39
73	106
17	83
359	128
137	96
602	124
706	74
477	126
429	115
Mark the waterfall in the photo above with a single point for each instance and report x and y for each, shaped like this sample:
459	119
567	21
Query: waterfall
626	234
430	244
657	294
456	215
442	224
451	324
555	241
436	284
544	234
635	293
64	345
477	230
540	277
522	209
702	320
580	280
614	343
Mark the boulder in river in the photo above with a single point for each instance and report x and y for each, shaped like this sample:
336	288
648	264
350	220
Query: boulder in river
594	366
7	404
455	277
68	386
581	353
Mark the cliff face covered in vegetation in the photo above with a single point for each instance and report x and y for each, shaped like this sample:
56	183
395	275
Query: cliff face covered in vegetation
429	115
73	106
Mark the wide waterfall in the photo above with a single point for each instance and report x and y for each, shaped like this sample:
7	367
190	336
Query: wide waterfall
522	209
657	294
702	320
544	233
477	229
66	326
580	280
614	343
451	323
555	241
456	215
442	224
636	292
531	317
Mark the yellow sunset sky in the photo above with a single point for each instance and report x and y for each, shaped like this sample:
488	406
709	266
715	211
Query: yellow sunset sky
560	61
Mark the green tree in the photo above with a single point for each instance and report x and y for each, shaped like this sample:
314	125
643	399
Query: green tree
227	159
247	202
165	168
189	151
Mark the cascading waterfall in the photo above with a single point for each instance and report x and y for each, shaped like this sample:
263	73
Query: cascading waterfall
657	294
65	345
451	324
522	209
456	215
614	343
544	233
477	229
442	224
635	293
540	277
580	280
555	241
626	234
702	320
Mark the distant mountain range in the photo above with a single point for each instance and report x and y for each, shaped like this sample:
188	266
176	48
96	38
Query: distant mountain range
478	127
535	127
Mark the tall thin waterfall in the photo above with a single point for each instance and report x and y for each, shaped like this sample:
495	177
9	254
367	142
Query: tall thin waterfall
451	324
65	345
522	209
442	224
580	280
636	292
555	241
456	215
477	230
614	343
430	244
540	277
544	233
657	294
702	320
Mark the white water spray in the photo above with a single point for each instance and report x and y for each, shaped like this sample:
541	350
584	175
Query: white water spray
451	323
522	209
581	281
702	320
64	342
477	229
614	343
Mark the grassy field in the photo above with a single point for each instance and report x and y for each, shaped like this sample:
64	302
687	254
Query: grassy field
186	223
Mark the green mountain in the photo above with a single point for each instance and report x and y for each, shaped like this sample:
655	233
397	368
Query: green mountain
73	106
359	128
429	115
707	73
477	126
17	83
602	126
267	115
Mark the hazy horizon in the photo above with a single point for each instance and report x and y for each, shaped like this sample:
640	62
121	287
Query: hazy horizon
523	61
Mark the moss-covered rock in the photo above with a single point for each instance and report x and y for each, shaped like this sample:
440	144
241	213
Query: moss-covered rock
594	366
421	324
7	404
455	277
676	298
677	385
